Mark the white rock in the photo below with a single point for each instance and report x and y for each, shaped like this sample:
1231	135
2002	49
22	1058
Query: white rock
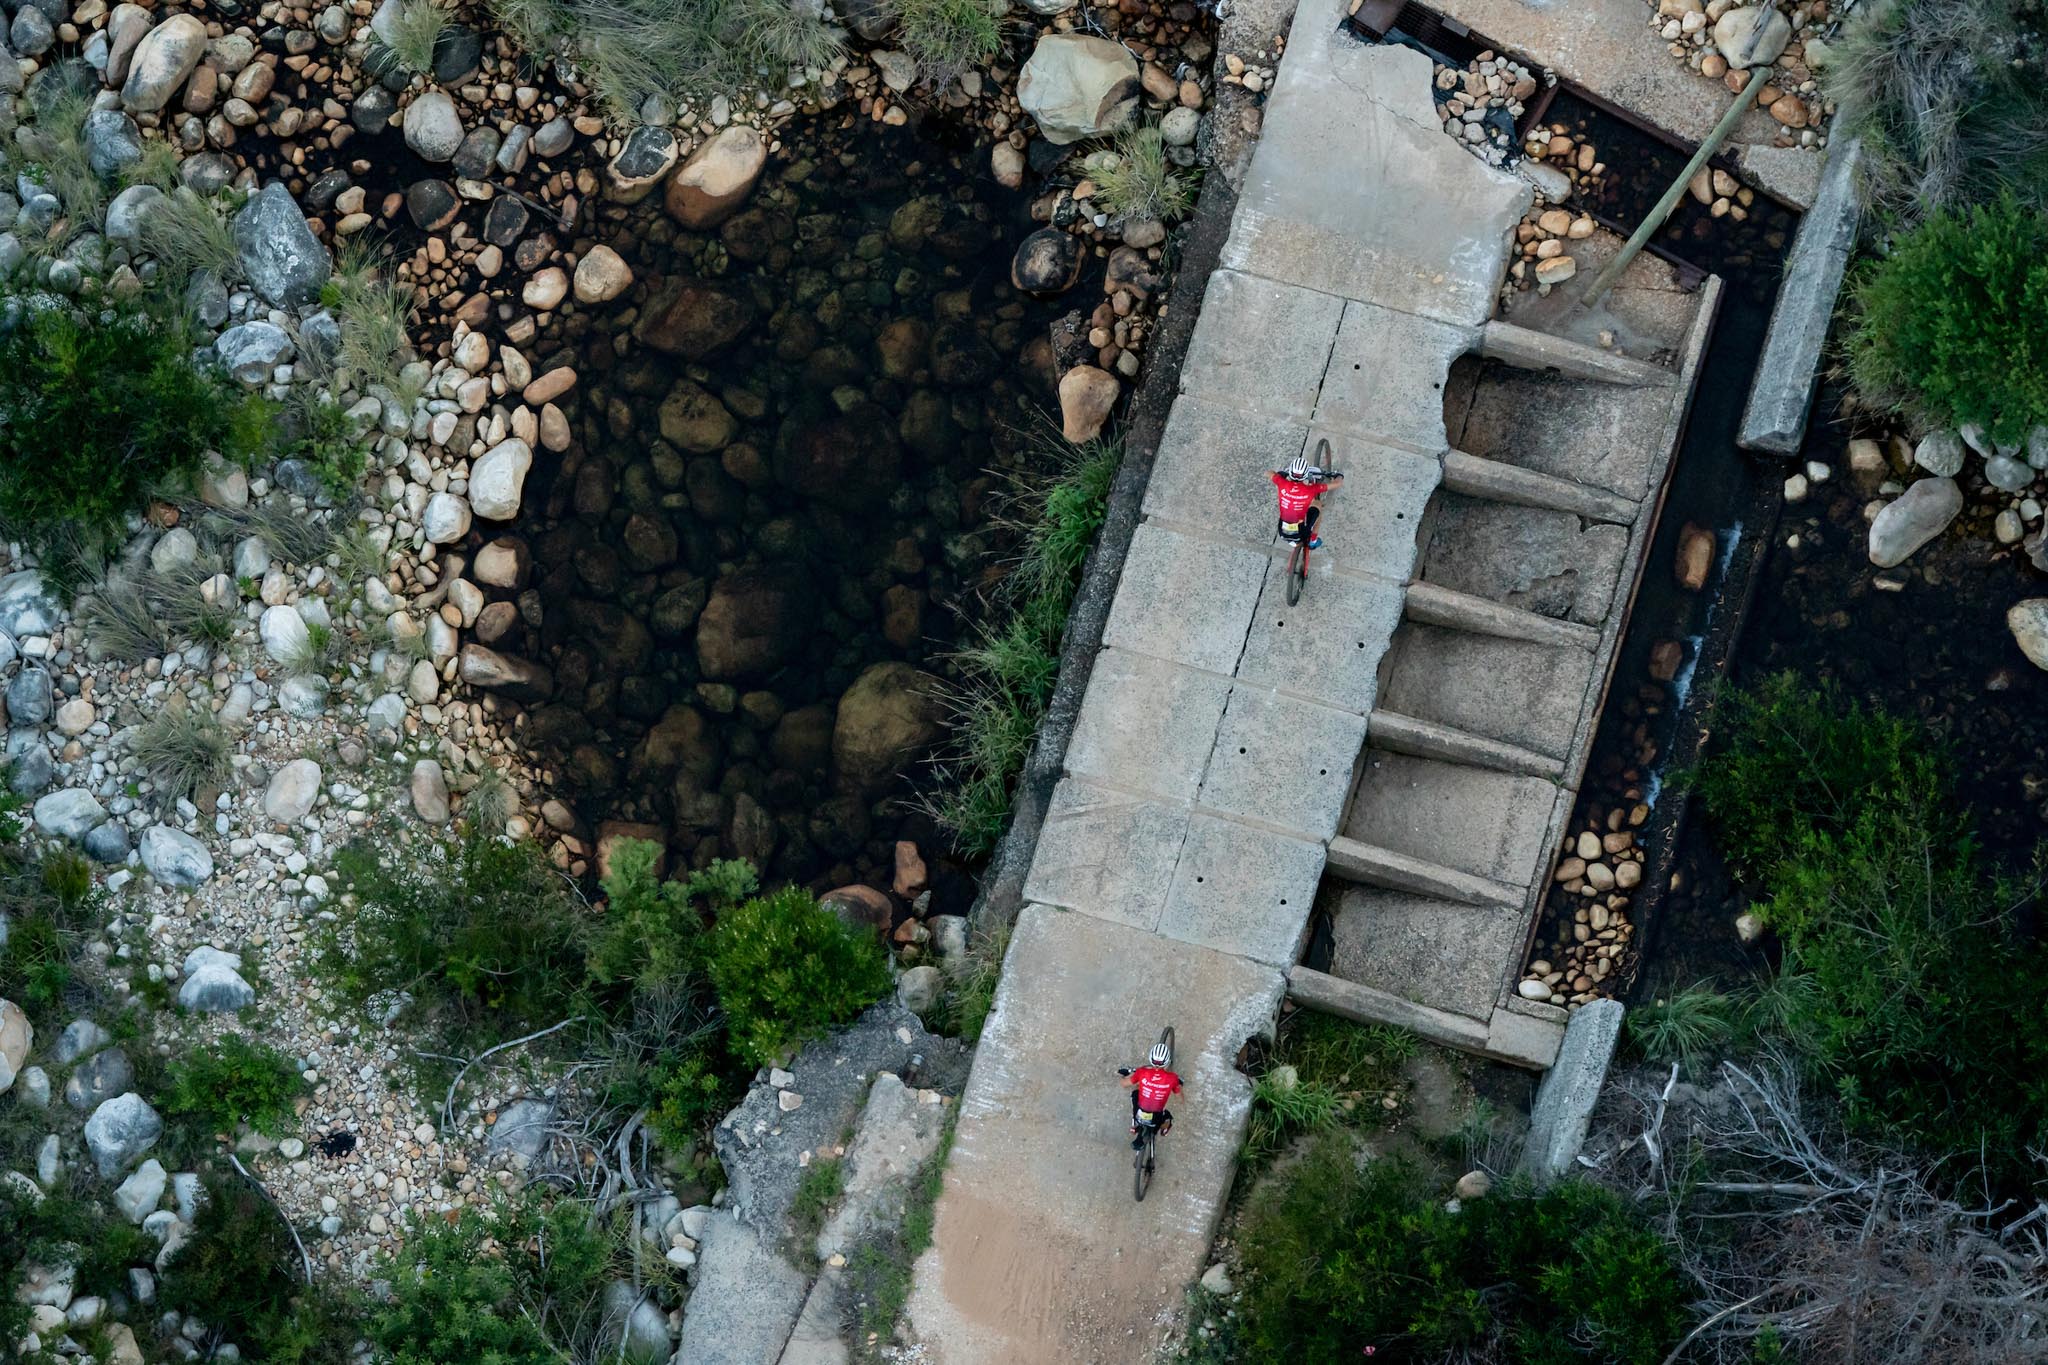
285	637
447	519
2028	621
1912	519
497	481
1940	453
292	791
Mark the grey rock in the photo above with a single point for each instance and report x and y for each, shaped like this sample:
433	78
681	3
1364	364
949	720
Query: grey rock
430	792
553	138
2028	621
31	771
175	858
647	157
111	141
283	260
898	1133
1912	519
80	1038
175	549
298	478
372	110
206	299
129	211
49	1161
119	1131
386	717
32	33
68	814
32	1087
26	606
206	172
304	696
1076	85
108	843
2007	474
292	791
478	152
746	1298
251	351
1940	453
162	61
213	983
511	157
320	335
106	1073
142	1191
30	697
522	1128
918	989
433	129
252	558
1179	125
643	1326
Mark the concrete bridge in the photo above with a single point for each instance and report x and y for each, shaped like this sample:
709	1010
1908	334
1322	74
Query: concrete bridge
1405	742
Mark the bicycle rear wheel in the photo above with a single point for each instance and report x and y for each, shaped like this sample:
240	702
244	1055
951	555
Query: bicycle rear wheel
1297	573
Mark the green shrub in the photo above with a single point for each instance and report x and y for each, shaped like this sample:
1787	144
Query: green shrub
787	969
822	1182
1346	1256
51	906
1006	677
98	410
1948	99
487	939
517	1286
1920	1002
240	1273
653	930
1142	183
947	37
1324	1072
1953	322
234	1081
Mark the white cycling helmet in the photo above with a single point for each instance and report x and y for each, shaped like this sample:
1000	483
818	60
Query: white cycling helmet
1297	469
1159	1054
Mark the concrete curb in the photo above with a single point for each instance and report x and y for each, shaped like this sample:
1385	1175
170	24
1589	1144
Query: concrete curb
1570	1089
1002	886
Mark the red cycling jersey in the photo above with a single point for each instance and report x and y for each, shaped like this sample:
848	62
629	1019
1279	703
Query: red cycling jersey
1156	1085
1295	496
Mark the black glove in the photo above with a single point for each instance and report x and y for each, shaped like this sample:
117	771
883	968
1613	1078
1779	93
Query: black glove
1123	1071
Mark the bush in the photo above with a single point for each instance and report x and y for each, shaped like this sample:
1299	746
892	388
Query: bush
1922	1005
519	1286
97	410
1948	98
787	969
240	1273
1683	1026
653	930
52	906
487	939
1142	183
947	37
1951	323
1324	1072
234	1081
1348	1256
182	748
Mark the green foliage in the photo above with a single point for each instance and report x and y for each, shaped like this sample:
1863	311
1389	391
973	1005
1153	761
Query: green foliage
1348	1255
183	747
652	929
487	939
1325	1072
240	1273
1007	676
416	28
51	907
971	987
96	410
687	1091
1916	997
1953	322
1142	183
517	1286
323	435
63	166
157	166
947	37
373	310
1685	1026
1948	98
234	1081
877	1278
140	614
62	1226
187	232
822	1182
787	969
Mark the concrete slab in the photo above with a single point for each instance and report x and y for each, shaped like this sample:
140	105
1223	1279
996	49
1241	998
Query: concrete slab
1550	563
1283	761
1039	1252
746	1300
1186	598
1147	725
1261	346
1327	647
1212	466
1412	223
1564	1101
1447	956
1372	522
1243	890
1598	434
1386	377
1490	824
1774	419
1107	853
1512	690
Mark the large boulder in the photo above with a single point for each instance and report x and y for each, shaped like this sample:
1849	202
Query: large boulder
214	983
281	258
692	319
1047	262
174	857
850	457
1912	519
891	712
161	63
433	129
68	814
292	791
119	1131
498	478
717	178
2028	621
1087	396
1077	86
112	141
755	621
520	679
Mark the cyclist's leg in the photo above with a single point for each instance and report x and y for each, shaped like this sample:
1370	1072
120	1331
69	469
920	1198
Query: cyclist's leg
1308	526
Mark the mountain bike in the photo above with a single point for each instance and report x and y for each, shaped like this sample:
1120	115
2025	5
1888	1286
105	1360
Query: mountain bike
1297	558
1143	1156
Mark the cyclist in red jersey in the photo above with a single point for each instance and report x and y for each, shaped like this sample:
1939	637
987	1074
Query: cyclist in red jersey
1152	1086
1301	494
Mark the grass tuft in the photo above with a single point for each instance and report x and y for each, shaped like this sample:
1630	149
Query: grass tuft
1686	1026
1143	183
416	29
182	748
947	37
187	233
